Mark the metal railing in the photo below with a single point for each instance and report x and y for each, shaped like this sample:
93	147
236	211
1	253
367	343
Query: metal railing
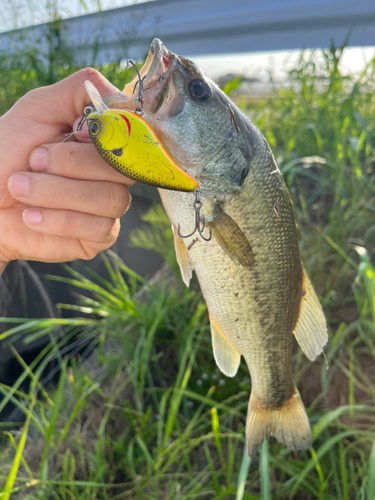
197	27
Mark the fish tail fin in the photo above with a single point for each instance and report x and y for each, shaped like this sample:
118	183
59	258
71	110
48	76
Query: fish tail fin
288	424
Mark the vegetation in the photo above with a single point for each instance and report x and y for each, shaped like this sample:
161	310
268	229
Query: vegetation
45	59
148	415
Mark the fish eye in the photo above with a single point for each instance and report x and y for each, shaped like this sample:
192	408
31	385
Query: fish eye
199	91
94	128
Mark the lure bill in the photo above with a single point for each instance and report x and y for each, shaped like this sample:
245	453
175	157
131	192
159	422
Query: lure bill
127	143
95	97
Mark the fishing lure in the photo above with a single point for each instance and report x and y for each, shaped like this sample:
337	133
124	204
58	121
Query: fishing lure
127	143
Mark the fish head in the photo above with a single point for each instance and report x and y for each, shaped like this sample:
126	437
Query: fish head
191	116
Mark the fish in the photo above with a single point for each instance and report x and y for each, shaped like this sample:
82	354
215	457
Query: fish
250	272
127	143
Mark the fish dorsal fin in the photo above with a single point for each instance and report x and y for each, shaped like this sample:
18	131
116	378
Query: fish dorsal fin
182	257
311	329
226	356
231	239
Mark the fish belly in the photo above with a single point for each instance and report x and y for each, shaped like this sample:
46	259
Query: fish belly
254	307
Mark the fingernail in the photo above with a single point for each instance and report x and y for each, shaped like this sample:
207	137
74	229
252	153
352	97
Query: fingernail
18	185
38	159
32	216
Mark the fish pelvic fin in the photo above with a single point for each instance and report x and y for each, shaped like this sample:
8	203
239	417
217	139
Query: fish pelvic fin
311	329
226	356
231	238
182	257
289	424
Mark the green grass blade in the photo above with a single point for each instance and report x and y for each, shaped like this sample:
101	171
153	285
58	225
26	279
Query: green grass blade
58	400
242	476
371	474
264	472
17	459
343	472
216	432
329	443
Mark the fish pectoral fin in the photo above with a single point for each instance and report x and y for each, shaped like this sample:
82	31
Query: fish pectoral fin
231	239
226	356
182	257
311	329
288	424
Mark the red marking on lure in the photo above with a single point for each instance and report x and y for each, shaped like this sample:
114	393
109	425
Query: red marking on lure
127	123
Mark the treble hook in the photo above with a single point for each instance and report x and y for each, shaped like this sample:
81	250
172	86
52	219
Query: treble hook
139	99
197	207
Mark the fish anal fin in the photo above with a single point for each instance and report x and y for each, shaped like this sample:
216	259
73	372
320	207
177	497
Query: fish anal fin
226	356
231	239
289	424
182	257
311	329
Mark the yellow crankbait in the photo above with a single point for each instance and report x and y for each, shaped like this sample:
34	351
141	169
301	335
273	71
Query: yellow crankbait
126	141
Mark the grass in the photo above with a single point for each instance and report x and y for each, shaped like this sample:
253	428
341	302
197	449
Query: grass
152	420
47	59
149	416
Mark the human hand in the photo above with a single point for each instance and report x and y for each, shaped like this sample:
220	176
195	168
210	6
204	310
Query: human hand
67	205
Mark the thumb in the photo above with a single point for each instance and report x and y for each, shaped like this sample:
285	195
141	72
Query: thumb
64	101
75	101
44	115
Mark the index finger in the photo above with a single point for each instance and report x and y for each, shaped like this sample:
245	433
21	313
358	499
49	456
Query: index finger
75	160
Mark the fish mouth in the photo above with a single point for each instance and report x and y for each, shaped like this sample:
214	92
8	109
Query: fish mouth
155	75
159	62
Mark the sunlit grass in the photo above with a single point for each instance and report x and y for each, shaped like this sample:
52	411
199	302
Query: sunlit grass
153	421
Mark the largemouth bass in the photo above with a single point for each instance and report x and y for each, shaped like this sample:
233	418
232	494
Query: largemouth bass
250	272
